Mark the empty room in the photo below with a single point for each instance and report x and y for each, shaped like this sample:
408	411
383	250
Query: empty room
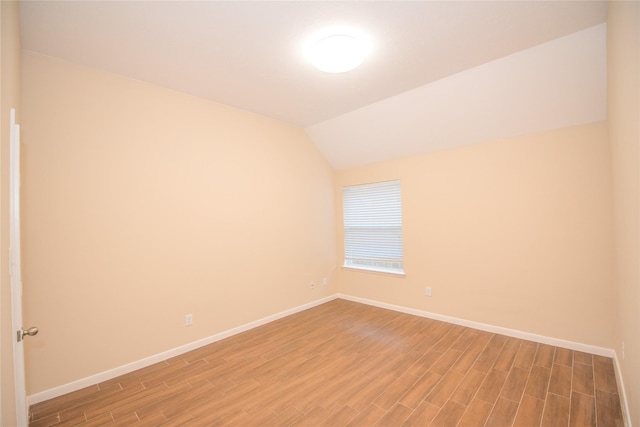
306	213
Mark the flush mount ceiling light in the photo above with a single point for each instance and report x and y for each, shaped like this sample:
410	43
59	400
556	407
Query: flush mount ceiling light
338	51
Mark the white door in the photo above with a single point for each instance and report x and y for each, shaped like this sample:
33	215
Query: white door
15	271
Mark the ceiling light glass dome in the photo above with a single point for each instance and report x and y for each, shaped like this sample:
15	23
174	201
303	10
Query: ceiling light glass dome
338	52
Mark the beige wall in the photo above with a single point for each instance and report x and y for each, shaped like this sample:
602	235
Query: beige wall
514	233
623	50
142	205
10	97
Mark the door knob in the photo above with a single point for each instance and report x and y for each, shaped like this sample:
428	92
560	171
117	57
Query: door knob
30	332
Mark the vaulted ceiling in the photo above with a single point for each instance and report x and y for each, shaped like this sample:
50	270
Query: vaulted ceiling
442	73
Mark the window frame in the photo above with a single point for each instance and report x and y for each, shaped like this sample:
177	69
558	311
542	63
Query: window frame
384	201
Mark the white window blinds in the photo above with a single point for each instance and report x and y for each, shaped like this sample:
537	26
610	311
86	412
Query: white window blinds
373	227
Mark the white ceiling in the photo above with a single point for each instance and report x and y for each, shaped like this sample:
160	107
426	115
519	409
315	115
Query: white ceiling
557	84
430	57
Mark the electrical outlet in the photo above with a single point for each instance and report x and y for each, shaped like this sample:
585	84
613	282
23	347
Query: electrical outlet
188	320
324	281
428	291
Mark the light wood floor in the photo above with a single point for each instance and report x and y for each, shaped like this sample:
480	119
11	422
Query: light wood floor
344	363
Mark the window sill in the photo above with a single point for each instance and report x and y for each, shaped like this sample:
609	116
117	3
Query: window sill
400	275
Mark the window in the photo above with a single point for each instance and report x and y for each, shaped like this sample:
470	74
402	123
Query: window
373	227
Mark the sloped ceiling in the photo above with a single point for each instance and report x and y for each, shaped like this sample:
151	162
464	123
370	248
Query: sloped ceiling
442	74
557	84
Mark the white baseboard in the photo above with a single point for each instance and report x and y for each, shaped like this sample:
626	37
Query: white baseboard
139	364
600	351
626	415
